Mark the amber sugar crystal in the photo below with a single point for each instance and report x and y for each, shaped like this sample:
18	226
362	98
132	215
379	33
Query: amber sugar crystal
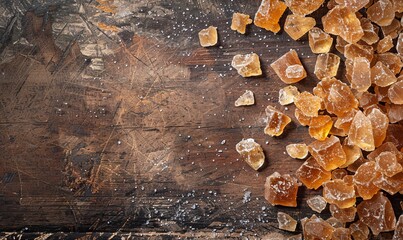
387	164
364	180
286	95
251	152
391	61
353	153
339	193
399	45
245	99
326	65
354	5
395	112
328	153
317	203
354	50
370	31
269	13
359	231
286	222
344	121
380	123
317	228
302	7
319	127
343	214
391	185
381	12
393	29
339	173
239	22
361	133
361	74
302	118
382	76
288	62
319	41
308	104
247	65
311	174
296	25
281	190
399	229
341	234
276	121
385	44
343	22
297	150
377	213
395	93
208	37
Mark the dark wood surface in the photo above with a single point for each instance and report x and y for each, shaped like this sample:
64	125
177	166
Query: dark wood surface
121	133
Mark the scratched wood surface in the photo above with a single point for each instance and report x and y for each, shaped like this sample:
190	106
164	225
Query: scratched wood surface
132	133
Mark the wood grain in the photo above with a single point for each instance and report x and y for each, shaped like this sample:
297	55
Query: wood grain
121	133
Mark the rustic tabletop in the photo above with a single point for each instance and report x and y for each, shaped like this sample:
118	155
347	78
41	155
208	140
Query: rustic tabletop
114	121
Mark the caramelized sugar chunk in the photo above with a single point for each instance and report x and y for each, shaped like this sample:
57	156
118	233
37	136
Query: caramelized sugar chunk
353	153
354	166
339	193
286	222
361	74
281	190
334	222
251	152
343	214
394	135
317	228
367	100
286	95
395	112
364	180
276	121
343	22
239	22
399	44
340	44
393	29
387	164
395	93
377	213
359	231
361	133
381	12
380	123
370	31
339	173
301	117
297	150
317	203
319	127
391	185
281	65
381	75
245	99
398	235
355	5
311	174
269	14
296	25
398	5
385	44
341	234
391	61
354	50
247	65
386	147
319	41
344	121
326	65
301	7
381	93
308	104
208	37
328	153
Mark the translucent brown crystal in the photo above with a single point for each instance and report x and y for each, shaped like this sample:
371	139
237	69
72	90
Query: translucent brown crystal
269	14
398	235
393	29
367	99
286	95
302	7
296	25
395	112
386	147
311	174
340	44
380	123
354	50
377	213
239	22
251	152
385	44
391	61
381	75
399	44
370	31
339	173
364	180
308	104
381	93
245	99
361	133
344	121
281	65
361	74
319	41
328	153
359	231
391	185
334	222
317	228
297	150
319	127
343	22
276	121
208	37
247	65
355	5
387	164
281	190
286	222
353	153
343	214
381	12
326	65
317	203
395	93
341	234
339	193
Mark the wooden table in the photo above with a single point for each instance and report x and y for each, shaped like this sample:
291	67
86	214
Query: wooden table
133	133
